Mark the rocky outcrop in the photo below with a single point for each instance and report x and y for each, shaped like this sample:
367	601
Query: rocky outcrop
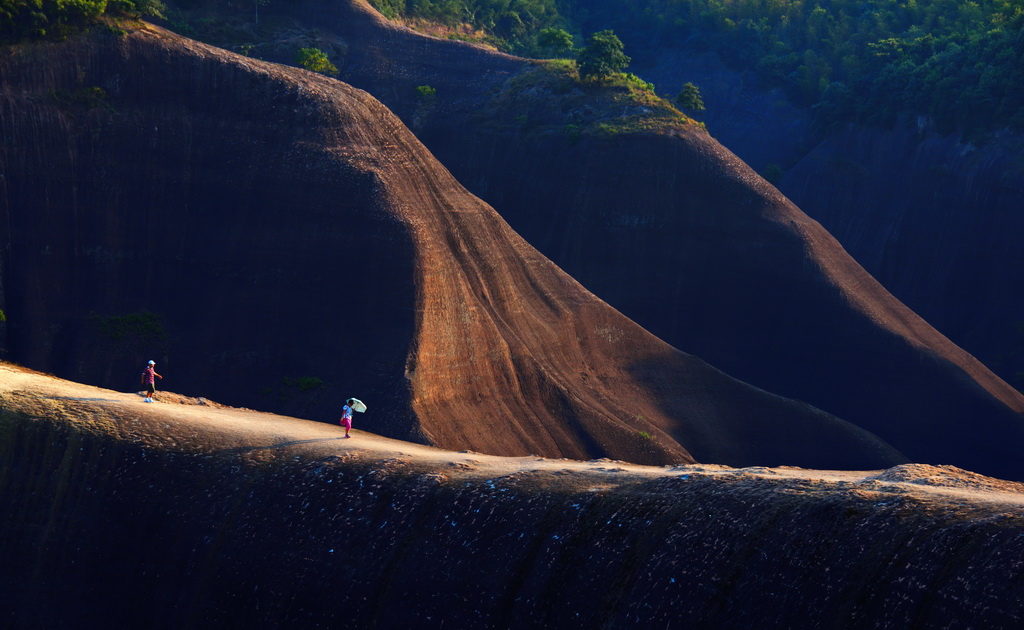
287	228
680	235
124	515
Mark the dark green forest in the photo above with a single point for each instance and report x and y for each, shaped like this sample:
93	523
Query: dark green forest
57	19
958	61
961	62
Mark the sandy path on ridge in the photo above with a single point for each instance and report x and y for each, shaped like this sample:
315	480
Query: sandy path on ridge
193	424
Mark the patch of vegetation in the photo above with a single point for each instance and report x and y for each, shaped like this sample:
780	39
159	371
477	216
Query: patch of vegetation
509	25
141	325
59	19
138	8
773	173
602	57
292	387
689	98
555	42
640	84
644	435
552	98
3	317
303	383
90	97
315	60
864	60
426	92
959	62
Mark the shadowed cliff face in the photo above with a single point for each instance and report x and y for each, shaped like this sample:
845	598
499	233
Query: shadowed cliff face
286	225
124	515
684	238
202	192
944	236
935	219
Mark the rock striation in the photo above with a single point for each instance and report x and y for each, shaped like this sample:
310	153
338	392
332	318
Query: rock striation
288	228
681	236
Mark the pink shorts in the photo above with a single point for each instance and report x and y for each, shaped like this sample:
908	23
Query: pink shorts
346	422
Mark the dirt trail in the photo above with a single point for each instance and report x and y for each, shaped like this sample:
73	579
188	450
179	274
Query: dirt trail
194	424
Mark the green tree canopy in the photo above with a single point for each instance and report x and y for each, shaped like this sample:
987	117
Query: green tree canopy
554	41
60	18
316	60
602	56
689	98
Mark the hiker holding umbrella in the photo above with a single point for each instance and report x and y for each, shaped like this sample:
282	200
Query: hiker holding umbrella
352	404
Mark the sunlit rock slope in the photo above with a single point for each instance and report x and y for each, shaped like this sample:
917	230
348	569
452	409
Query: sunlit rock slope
119	514
279	227
680	235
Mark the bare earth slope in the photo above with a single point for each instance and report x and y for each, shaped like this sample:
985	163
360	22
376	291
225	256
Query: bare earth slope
681	236
122	514
284	224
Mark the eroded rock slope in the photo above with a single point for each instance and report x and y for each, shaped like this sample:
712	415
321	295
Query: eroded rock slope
288	228
681	236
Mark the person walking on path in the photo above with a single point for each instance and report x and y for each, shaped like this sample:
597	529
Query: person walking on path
149	377
346	417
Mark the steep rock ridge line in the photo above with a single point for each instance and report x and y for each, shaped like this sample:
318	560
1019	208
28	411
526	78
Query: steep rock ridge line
678	234
283	224
237	518
867	295
933	217
944	237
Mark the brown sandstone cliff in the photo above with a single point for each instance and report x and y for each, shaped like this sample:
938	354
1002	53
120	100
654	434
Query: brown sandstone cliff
283	225
684	238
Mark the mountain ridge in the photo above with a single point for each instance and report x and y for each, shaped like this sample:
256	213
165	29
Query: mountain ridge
291	225
234	516
630	218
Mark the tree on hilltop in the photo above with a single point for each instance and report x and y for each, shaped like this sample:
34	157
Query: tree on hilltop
316	60
554	41
602	56
57	19
689	98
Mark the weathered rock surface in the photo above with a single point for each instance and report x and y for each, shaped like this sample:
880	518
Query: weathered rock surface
125	515
287	225
684	238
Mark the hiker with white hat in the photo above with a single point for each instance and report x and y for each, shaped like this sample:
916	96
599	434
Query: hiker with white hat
149	377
